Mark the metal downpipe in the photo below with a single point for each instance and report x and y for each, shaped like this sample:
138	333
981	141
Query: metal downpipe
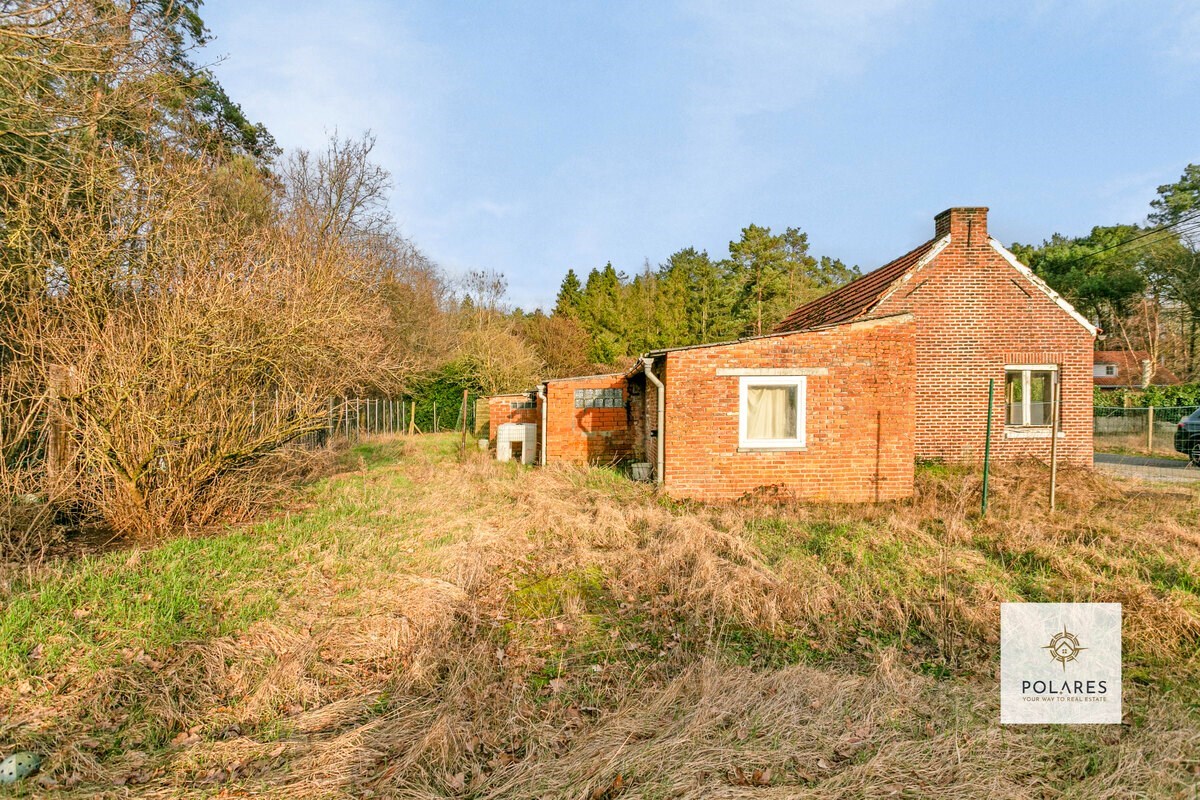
661	397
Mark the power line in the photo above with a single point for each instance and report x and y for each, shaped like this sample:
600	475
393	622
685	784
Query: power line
1191	227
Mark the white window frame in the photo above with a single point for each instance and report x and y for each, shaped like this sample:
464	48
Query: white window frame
744	384
1025	429
1110	370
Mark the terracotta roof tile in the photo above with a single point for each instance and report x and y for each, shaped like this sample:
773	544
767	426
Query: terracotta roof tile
856	297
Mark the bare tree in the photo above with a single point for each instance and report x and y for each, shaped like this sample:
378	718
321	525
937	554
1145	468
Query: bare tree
338	193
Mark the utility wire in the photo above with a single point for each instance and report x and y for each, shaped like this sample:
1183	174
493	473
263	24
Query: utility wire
1191	223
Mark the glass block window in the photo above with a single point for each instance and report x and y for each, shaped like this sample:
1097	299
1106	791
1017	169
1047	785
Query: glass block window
522	404
599	398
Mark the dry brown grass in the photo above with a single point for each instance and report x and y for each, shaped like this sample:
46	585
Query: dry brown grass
480	630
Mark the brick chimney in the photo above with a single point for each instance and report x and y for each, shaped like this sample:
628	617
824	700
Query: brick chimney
964	224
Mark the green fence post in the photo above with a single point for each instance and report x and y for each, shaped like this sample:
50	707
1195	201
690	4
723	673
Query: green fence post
987	443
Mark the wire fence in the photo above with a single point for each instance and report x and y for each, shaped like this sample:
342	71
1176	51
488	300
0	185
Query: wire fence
351	418
1138	430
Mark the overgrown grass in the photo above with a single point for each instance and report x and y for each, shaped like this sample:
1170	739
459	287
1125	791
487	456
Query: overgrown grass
424	626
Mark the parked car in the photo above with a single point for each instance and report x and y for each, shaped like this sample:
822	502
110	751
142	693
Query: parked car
1187	436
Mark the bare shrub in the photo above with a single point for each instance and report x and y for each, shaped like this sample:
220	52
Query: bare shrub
179	363
172	313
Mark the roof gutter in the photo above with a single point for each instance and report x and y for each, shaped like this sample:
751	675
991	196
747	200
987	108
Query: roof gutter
661	397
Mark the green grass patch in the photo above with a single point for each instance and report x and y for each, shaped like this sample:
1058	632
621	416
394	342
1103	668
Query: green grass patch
182	590
1168	577
751	647
549	596
196	588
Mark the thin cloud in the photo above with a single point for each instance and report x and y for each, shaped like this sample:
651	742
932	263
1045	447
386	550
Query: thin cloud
769	56
349	67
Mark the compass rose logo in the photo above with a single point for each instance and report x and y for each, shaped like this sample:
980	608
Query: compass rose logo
1064	647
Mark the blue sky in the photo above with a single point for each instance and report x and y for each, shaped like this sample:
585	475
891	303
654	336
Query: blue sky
532	137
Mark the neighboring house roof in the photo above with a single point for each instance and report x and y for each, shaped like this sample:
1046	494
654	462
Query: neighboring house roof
857	298
1129	369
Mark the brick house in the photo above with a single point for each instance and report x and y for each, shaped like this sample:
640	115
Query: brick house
1129	369
838	402
980	315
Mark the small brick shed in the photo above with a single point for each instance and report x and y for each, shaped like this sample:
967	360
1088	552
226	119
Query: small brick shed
518	407
850	389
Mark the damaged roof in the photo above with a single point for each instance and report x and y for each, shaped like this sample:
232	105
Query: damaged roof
857	297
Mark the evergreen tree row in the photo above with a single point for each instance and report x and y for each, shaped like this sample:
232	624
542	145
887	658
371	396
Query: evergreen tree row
693	298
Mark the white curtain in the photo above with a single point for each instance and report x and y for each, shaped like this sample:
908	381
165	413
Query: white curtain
771	412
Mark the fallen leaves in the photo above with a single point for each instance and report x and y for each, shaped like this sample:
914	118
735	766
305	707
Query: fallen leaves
614	788
757	777
187	738
139	656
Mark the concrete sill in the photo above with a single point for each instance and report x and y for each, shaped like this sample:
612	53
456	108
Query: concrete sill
1030	433
772	449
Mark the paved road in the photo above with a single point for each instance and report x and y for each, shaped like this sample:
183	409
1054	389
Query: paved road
1146	468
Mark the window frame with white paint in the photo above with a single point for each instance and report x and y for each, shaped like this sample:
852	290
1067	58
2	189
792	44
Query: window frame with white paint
1026	427
799	383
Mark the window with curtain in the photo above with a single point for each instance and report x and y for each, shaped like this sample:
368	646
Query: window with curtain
1029	396
771	412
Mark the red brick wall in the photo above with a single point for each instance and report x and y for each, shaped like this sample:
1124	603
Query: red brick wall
587	435
500	411
976	313
860	416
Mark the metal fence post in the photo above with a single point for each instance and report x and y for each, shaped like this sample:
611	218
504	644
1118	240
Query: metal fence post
1150	429
987	444
1055	394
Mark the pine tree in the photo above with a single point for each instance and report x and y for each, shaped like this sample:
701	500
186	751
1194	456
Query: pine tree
695	289
601	312
760	273
569	295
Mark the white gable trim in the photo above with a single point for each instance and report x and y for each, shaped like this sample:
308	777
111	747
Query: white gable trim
1043	286
933	253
